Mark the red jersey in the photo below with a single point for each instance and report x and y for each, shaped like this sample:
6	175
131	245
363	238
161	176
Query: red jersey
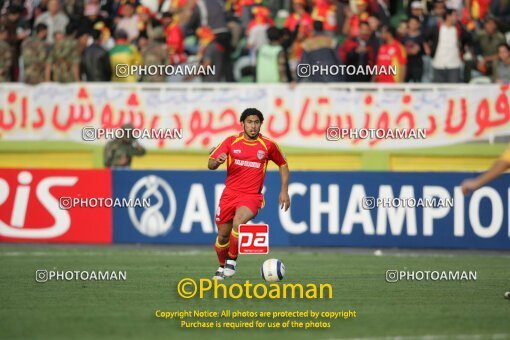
175	43
305	21
390	55
325	11
247	161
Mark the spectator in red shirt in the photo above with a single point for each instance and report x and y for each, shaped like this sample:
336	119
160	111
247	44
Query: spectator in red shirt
211	53
358	51
391	54
352	23
299	17
261	16
325	11
174	39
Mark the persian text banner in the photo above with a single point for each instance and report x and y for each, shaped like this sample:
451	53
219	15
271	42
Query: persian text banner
298	117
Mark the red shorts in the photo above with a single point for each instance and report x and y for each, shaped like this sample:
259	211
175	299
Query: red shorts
231	200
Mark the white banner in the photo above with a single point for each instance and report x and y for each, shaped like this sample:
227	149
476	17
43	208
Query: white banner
298	117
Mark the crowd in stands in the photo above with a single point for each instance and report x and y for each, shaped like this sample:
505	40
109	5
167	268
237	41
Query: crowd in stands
255	41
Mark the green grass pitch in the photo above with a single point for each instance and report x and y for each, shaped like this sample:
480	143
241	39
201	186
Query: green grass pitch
125	309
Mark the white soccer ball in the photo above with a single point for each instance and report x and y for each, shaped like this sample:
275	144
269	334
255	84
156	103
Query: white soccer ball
272	270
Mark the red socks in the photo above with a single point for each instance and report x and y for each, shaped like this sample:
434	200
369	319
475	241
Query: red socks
221	250
233	249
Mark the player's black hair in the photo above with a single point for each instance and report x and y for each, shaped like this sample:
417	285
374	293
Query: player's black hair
251	111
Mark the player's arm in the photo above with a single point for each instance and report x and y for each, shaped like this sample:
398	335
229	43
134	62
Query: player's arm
214	163
284	193
218	155
279	159
497	168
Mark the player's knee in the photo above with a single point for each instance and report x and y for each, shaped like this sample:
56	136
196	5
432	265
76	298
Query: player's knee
238	221
223	235
222	239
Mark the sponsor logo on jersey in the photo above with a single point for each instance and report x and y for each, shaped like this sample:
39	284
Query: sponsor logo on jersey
247	163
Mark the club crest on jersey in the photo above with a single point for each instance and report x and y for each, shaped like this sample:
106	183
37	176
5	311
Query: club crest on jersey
261	154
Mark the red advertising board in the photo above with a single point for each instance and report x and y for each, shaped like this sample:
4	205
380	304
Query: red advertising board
31	206
253	239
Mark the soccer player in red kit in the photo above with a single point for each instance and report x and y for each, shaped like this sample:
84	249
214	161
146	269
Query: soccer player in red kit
247	155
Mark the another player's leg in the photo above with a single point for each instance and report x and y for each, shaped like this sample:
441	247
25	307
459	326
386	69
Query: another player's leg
221	246
243	215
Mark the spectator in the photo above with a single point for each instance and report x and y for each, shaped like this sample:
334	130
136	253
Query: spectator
301	21
375	37
212	54
17	30
90	17
358	51
500	9
271	61
34	55
54	19
40	8
174	39
261	16
5	56
257	32
319	50
352	23
212	14
383	12
82	38
325	12
63	60
106	40
120	151
402	30
503	66
391	54
413	43
447	42
129	21
436	16
487	42
154	52
477	9
124	53
147	23
288	39
418	10
96	61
